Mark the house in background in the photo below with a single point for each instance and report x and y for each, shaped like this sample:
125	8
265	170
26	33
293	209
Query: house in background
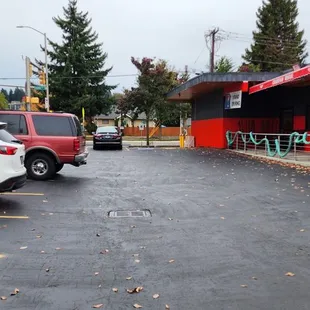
114	119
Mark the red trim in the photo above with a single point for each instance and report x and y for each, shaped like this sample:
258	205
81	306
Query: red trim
243	86
282	79
299	123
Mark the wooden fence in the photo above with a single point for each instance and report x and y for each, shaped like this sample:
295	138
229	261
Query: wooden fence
164	132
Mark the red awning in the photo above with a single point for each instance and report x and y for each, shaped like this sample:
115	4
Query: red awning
282	79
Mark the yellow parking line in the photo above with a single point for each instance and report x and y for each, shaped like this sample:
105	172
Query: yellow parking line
18	217
22	194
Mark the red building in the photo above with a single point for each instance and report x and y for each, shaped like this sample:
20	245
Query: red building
258	101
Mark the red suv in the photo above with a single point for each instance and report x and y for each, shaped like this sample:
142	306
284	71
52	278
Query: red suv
51	140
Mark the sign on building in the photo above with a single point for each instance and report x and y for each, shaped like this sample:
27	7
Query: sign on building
233	100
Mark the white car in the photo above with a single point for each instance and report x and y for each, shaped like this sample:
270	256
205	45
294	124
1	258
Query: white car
12	155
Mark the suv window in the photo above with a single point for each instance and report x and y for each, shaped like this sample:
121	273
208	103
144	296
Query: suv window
16	123
52	125
78	126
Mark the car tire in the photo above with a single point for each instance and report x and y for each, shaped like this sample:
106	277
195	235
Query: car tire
95	147
59	167
40	166
120	147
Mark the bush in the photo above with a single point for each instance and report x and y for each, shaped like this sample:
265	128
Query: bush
90	128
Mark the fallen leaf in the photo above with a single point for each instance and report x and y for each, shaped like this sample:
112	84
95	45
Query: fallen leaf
133	226
115	290
167	307
302	230
45	201
135	255
42	252
58	249
128	278
170	219
16	291
290	274
96	273
104	251
155	296
171	261
222	218
98	306
51	213
137	306
3	298
23	247
135	290
244	285
137	260
254	278
39	237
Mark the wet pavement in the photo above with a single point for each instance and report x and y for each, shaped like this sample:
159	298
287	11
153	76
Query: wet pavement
224	232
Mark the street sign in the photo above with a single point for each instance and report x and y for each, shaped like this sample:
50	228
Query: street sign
46	103
141	127
40	87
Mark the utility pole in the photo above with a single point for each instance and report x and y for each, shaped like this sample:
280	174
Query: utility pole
28	89
47	98
212	34
212	54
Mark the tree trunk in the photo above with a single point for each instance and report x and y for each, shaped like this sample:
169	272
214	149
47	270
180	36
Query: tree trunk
147	130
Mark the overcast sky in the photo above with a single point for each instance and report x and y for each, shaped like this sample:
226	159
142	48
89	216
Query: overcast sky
169	29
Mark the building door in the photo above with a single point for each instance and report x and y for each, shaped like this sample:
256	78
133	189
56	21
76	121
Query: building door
287	121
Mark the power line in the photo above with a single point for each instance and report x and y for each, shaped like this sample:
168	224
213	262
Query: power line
74	77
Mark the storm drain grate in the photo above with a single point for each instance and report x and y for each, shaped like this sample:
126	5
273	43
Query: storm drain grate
135	213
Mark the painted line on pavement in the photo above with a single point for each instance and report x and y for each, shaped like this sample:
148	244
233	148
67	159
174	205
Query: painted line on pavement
17	217
21	194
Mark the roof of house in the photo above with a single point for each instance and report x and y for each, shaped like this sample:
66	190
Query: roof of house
207	82
115	115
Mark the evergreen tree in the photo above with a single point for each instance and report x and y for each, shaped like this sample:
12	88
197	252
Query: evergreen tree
77	77
278	42
11	96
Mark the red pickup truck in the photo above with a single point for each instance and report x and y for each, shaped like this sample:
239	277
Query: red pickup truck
51	140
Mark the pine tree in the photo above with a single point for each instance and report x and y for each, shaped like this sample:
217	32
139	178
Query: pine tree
77	77
278	42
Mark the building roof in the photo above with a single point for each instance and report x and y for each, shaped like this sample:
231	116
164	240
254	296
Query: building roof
297	77
115	115
208	82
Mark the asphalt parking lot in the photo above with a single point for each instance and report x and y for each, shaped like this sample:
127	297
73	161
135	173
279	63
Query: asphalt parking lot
226	232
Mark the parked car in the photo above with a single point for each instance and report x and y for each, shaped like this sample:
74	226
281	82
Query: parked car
13	173
51	140
107	136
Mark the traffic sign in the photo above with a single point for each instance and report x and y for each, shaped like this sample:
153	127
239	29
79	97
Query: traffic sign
141	127
40	87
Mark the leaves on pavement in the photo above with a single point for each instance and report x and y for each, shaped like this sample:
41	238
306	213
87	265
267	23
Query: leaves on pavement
290	274
135	290
3	298
98	306
128	278
167	307
155	296
105	251
137	306
15	292
115	290
243	285
171	261
23	247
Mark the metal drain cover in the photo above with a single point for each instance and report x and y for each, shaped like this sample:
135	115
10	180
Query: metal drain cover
135	213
